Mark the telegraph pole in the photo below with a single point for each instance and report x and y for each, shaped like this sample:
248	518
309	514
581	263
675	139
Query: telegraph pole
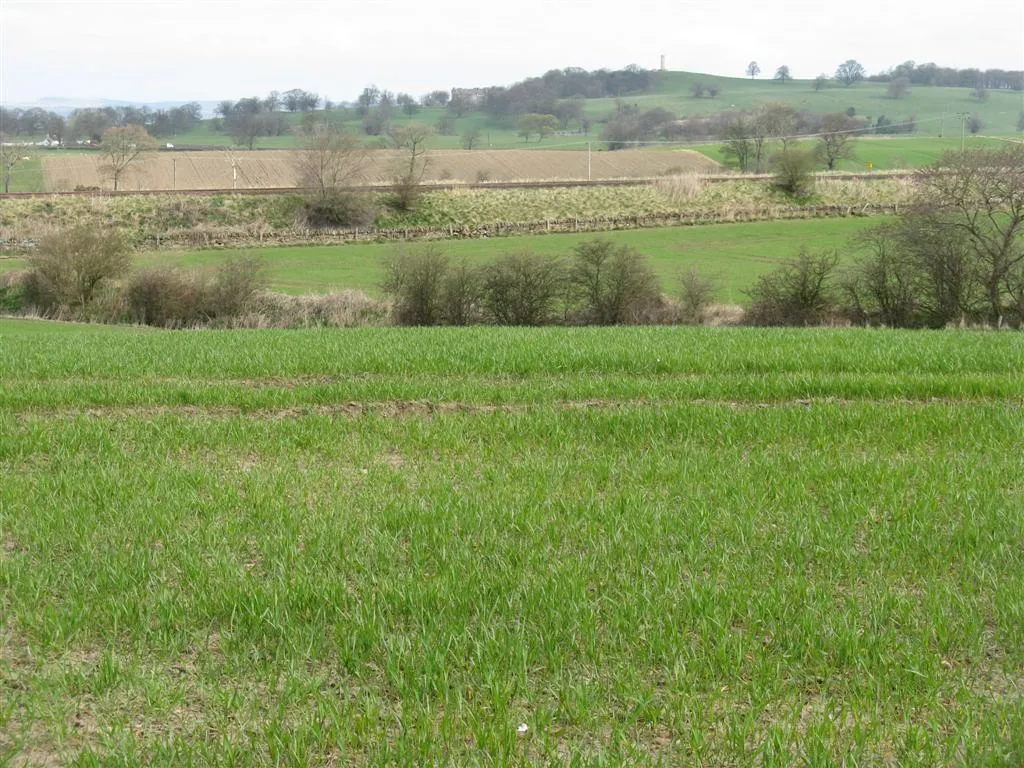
964	116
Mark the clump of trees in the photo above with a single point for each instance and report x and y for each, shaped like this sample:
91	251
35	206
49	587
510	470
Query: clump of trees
956	256
748	137
629	126
88	125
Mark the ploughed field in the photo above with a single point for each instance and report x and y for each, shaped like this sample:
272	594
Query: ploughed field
276	168
718	546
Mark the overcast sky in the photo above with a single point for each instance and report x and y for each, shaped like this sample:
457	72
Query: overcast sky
156	50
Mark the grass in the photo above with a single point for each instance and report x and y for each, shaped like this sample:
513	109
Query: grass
735	254
27	175
884	153
999	112
671	546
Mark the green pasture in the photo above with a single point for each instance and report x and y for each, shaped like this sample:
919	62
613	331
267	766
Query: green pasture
506	547
883	153
736	254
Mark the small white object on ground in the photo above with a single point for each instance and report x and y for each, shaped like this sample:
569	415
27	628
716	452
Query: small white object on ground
523	728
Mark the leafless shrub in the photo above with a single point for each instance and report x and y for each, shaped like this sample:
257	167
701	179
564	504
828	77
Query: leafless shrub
697	293
415	279
884	286
521	288
174	298
800	292
461	291
166	297
337	210
793	171
234	284
611	284
69	266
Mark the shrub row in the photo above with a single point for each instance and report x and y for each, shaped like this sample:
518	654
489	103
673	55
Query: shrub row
87	274
600	284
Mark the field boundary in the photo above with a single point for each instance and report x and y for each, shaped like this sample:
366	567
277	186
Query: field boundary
258	236
449	186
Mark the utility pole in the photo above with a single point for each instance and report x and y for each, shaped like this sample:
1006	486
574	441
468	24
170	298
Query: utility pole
964	116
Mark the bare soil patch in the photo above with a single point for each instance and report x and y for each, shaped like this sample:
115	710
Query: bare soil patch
276	168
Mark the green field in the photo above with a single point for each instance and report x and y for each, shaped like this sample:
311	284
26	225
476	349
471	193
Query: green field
387	547
934	108
735	254
885	153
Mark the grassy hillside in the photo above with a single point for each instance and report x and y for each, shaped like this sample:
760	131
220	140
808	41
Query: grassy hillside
999	112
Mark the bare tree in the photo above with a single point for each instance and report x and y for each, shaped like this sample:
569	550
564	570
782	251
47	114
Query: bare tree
820	82
471	138
9	158
327	159
837	139
979	196
412	166
272	102
121	147
782	74
771	121
368	99
738	142
850	72
753	70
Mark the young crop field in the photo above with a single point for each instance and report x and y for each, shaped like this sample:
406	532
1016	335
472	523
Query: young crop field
493	546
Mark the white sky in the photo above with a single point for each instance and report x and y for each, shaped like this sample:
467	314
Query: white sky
161	50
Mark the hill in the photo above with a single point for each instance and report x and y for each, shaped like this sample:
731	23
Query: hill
934	108
999	112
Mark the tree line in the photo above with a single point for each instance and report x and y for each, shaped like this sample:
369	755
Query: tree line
88	125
